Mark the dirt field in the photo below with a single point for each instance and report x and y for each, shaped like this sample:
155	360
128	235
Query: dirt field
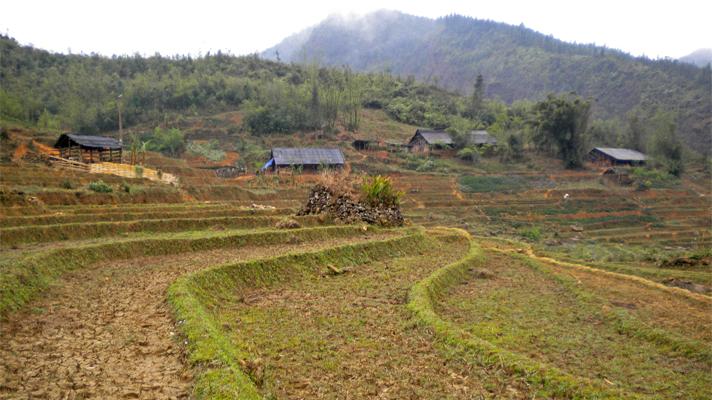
106	331
350	336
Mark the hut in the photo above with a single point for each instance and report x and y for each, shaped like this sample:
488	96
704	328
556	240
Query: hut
89	149
481	138
615	156
306	159
425	140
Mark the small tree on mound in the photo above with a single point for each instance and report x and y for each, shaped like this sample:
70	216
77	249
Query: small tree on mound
378	191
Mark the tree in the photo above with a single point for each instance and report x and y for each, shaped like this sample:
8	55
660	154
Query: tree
478	95
634	133
168	141
353	101
515	147
665	145
560	121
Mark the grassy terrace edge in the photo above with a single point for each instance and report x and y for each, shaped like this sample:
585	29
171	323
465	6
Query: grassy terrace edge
21	281
210	351
46	233
551	381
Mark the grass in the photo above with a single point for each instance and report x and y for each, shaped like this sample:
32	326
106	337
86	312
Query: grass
46	233
487	183
146	214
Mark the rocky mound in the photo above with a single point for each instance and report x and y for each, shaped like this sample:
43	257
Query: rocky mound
323	200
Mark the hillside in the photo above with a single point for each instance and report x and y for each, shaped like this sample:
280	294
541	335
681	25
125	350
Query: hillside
700	57
516	62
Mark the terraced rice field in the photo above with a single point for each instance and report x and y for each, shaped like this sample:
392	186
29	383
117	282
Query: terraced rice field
211	300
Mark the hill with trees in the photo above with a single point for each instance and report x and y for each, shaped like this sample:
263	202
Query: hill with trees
516	63
83	93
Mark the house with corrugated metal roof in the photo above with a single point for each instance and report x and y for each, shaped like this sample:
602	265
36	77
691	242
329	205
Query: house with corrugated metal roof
304	158
616	156
425	140
481	138
89	149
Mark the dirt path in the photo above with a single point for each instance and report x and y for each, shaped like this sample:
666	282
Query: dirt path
107	331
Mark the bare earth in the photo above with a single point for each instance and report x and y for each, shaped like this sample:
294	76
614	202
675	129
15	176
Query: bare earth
107	332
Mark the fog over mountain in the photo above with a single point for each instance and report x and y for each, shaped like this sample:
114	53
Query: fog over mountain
516	63
700	57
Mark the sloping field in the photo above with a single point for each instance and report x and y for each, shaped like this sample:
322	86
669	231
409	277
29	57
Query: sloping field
211	300
579	332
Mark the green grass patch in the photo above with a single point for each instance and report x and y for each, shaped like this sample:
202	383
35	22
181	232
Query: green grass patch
489	183
47	233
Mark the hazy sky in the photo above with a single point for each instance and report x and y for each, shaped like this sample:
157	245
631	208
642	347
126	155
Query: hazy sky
671	28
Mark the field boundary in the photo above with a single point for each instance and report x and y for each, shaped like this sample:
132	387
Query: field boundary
421	303
215	356
13	236
21	281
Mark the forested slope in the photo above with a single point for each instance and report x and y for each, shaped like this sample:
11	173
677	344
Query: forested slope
516	62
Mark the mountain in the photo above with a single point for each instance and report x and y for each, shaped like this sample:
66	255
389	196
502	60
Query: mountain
516	63
699	57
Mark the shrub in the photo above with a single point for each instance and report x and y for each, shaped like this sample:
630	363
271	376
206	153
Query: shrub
469	154
67	184
533	233
379	191
167	141
138	170
100	187
126	188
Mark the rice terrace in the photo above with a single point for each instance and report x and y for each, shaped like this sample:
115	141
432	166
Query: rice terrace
245	227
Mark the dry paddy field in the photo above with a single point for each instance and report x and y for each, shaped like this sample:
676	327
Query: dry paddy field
211	300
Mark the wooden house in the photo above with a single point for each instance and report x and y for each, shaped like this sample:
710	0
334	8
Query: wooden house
89	149
614	156
425	140
306	159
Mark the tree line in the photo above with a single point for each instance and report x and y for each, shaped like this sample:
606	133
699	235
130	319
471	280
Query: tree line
83	93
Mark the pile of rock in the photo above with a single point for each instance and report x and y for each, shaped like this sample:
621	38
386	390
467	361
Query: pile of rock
322	200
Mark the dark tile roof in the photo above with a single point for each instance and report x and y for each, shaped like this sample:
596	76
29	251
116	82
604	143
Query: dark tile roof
481	137
97	142
434	137
307	156
622	154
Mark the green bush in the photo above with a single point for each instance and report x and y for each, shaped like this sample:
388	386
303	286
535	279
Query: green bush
533	233
426	166
379	191
67	184
167	141
126	188
100	187
653	178
469	154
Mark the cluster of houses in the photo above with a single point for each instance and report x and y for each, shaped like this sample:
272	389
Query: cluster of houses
91	149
